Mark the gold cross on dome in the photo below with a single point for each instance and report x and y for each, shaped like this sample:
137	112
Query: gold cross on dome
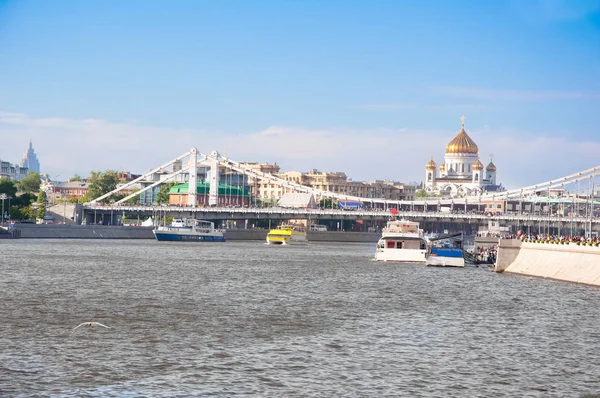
462	118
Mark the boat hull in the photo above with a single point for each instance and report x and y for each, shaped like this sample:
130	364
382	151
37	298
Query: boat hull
170	237
286	240
415	256
440	257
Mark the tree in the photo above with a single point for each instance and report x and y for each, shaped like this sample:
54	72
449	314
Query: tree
27	213
42	197
421	193
8	186
41	212
17	213
100	183
162	196
31	183
23	200
75	177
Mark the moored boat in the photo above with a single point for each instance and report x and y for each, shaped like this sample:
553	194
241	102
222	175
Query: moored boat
446	257
287	234
402	241
446	251
189	230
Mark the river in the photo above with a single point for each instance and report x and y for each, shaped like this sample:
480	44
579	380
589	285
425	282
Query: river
245	319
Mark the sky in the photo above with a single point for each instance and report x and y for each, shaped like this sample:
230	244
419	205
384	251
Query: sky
370	88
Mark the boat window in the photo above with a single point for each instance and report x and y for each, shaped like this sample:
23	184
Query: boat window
422	246
390	245
399	245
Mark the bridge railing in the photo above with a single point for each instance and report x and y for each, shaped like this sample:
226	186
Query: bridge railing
343	213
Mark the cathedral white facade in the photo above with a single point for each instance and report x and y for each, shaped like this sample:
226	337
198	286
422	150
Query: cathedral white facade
30	160
461	173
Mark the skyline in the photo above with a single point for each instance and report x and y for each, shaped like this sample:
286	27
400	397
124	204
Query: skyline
370	89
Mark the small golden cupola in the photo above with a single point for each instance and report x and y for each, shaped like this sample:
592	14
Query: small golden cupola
491	166
462	143
443	167
478	165
431	165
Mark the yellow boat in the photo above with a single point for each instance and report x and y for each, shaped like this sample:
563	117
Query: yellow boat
287	234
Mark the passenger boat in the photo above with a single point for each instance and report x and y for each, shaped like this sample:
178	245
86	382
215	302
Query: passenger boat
446	251
287	234
402	241
189	230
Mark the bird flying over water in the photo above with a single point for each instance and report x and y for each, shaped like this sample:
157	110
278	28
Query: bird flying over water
91	324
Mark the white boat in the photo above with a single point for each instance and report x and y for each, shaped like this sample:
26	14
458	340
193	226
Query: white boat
287	234
446	251
445	257
189	230
402	241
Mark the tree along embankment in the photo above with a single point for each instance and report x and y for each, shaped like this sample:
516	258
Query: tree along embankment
566	262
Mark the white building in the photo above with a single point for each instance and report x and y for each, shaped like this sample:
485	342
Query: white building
461	173
30	160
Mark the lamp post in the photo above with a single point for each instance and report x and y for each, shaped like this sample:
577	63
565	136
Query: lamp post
3	197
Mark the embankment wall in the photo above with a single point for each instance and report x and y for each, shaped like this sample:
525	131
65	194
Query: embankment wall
69	231
72	231
569	262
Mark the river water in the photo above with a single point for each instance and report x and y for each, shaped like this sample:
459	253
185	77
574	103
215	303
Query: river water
247	319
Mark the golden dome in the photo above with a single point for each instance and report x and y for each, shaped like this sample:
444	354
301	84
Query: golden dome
431	165
478	165
462	143
443	167
491	167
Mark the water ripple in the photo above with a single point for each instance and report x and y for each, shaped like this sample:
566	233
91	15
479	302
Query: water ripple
247	319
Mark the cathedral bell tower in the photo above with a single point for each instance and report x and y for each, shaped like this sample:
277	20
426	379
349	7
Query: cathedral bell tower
430	173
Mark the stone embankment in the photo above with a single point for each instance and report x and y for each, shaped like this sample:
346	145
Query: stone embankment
71	231
567	262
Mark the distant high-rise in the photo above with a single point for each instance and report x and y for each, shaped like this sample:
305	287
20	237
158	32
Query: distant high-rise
30	160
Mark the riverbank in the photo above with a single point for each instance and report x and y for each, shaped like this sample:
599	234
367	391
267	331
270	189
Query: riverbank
565	262
71	231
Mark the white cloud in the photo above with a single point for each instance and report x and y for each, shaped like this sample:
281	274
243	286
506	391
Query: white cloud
68	146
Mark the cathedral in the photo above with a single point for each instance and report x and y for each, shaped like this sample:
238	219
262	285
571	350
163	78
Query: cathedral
462	173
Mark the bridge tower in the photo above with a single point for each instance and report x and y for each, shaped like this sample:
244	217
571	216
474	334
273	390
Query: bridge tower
192	199
213	195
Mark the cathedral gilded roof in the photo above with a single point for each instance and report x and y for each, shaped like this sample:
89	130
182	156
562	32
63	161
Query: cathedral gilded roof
431	165
462	143
478	165
491	166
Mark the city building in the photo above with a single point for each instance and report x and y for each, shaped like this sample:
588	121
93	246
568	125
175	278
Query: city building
12	171
336	182
30	160
57	190
228	195
269	191
461	173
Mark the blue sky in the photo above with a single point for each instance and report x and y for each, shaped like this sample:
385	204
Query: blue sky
371	88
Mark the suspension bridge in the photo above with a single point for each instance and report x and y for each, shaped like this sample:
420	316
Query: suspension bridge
581	214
